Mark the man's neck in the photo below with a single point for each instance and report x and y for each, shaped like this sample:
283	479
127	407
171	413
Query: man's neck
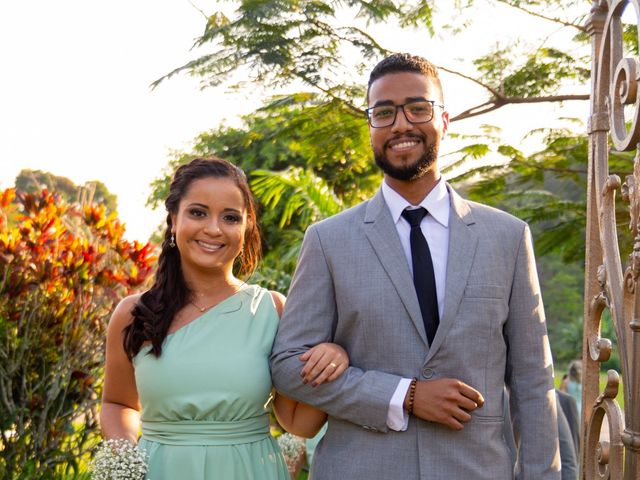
414	191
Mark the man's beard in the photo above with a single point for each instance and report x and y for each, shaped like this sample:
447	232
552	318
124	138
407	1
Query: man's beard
409	172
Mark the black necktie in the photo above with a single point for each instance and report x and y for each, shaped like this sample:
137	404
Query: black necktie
423	276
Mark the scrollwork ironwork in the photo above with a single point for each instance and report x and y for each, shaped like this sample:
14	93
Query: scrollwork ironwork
607	457
612	453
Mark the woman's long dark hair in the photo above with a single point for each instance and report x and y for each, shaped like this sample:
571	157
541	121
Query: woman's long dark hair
169	293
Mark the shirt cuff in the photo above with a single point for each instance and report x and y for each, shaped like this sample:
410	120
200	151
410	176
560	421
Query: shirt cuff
397	417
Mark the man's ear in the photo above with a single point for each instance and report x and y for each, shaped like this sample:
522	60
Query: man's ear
445	123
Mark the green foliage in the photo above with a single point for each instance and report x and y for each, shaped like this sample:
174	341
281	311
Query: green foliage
321	44
546	189
292	200
568	342
302	130
291	40
630	38
541	73
298	192
419	15
562	291
32	181
62	268
285	42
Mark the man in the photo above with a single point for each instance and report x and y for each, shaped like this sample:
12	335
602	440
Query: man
568	436
568	405
437	315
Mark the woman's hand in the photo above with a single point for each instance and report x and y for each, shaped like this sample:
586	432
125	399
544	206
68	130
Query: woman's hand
324	363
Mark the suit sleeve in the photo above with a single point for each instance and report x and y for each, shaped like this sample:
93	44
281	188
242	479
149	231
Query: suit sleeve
529	373
310	317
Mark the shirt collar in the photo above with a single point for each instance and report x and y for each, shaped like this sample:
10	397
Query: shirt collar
437	202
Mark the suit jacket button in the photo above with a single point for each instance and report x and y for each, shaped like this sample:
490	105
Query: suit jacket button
427	372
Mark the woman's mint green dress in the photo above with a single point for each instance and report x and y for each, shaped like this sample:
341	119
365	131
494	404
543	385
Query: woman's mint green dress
203	401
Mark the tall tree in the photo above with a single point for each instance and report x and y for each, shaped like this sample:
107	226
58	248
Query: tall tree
321	44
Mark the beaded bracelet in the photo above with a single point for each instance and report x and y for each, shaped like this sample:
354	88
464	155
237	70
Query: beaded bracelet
412	394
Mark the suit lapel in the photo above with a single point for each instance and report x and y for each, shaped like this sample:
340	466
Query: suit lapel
463	241
383	237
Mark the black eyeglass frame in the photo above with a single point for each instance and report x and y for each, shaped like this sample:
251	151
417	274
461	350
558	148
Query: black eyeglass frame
395	115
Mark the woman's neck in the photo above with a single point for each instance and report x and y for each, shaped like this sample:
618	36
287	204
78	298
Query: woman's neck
208	287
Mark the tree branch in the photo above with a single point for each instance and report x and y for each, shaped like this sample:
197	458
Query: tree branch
495	92
330	94
199	9
548	98
544	17
478	110
368	37
499	102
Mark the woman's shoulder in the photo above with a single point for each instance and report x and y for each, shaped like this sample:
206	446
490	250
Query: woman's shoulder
278	301
122	315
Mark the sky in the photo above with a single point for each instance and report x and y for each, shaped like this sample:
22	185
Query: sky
75	96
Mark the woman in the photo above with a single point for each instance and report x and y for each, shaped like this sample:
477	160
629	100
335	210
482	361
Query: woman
189	358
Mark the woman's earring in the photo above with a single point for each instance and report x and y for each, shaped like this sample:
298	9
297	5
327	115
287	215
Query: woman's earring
172	243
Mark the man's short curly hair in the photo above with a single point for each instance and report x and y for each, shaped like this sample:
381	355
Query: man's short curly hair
404	62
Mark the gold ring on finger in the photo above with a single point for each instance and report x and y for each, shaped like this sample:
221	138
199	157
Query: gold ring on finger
333	365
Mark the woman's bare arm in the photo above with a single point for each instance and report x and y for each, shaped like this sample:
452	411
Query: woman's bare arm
298	418
120	412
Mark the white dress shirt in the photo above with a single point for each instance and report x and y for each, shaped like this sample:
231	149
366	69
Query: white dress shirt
435	228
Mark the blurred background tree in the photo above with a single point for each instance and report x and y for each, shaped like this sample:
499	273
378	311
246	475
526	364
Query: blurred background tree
33	181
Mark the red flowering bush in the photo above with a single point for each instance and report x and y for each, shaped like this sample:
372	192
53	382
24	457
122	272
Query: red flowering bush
62	269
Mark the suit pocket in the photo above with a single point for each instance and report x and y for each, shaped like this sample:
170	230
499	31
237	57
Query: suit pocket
487	418
485	291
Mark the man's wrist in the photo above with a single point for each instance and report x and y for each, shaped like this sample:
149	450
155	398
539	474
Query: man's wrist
411	395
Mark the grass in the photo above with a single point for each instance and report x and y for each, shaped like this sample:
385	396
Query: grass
620	396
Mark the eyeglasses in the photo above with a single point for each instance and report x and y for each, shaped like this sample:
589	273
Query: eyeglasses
420	111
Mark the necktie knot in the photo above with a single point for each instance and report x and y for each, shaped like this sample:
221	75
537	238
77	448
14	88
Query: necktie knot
415	216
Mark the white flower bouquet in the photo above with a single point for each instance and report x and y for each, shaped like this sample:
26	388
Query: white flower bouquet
292	448
118	459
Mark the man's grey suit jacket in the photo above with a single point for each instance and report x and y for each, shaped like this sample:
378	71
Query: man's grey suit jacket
353	286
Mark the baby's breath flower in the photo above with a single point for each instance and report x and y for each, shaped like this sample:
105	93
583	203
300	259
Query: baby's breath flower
291	447
117	459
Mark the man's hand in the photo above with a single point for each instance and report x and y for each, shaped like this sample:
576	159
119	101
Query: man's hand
447	401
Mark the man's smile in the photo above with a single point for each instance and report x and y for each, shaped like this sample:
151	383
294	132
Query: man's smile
403	143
